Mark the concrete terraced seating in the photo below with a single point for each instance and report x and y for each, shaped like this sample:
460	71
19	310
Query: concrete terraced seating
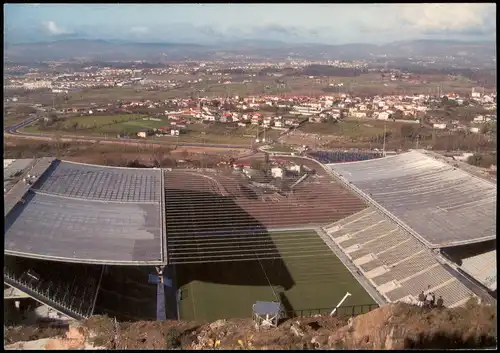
433	277
368	233
398	265
406	268
355	225
390	255
482	267
331	227
454	293
442	204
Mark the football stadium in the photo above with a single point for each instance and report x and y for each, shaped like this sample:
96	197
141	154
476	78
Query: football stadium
331	229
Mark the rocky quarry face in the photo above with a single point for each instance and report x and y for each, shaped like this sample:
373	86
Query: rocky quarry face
393	326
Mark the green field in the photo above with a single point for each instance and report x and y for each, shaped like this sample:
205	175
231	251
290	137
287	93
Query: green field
228	290
356	128
132	126
88	121
133	123
101	123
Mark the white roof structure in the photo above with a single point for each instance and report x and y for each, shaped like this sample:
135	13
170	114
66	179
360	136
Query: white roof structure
88	214
443	205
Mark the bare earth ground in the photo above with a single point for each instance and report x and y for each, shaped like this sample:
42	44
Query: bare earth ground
393	326
114	154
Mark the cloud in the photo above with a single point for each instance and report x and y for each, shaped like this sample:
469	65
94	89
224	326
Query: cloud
139	30
445	16
423	19
54	29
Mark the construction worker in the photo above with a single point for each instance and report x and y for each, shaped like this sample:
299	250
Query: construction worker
440	302
421	297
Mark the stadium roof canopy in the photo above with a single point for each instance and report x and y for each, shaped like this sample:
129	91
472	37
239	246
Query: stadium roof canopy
84	213
442	205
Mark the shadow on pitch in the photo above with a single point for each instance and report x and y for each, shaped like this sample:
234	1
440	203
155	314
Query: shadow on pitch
210	238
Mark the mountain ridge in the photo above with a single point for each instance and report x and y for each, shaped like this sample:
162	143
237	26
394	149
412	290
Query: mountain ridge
132	50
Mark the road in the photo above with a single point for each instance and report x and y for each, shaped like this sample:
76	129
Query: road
14	131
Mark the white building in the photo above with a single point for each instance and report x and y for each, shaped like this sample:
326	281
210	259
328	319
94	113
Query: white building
277	172
37	85
383	116
439	126
295	168
305	110
359	115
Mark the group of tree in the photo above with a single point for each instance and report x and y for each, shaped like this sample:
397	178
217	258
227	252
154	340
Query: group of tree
483	160
328	70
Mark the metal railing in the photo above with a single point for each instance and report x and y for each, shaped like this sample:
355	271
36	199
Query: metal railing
342	311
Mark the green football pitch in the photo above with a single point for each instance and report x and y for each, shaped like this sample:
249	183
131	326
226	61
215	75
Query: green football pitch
220	290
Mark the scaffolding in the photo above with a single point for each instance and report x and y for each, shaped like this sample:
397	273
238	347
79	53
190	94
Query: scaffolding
267	314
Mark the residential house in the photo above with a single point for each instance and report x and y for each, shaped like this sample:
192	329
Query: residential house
439	126
291	122
256	119
225	118
179	124
359	114
383	116
316	119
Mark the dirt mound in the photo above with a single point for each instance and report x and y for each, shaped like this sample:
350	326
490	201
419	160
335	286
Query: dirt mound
393	326
31	333
400	326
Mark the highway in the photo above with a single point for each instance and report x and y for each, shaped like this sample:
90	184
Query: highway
14	131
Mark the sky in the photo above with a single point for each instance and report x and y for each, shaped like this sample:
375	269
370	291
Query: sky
212	23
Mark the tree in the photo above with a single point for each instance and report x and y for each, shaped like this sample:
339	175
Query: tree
409	131
256	164
57	141
482	160
398	114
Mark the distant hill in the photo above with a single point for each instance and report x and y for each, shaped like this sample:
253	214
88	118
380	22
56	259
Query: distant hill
122	50
99	50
